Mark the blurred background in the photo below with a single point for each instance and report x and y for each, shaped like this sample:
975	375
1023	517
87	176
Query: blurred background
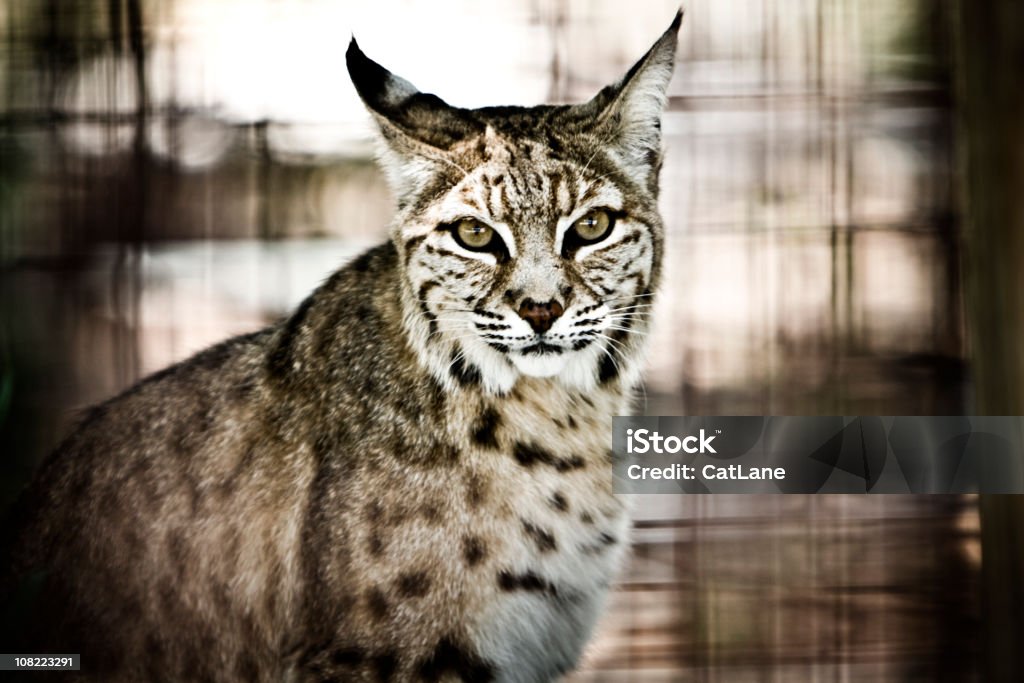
173	172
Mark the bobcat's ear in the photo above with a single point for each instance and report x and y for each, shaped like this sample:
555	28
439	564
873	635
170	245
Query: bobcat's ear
418	129
627	114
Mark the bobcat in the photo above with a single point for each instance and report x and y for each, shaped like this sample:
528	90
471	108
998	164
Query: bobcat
408	478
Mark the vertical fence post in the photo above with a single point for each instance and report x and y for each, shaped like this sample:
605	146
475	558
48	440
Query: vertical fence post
990	108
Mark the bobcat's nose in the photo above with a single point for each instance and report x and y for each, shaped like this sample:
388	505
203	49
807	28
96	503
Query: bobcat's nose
540	316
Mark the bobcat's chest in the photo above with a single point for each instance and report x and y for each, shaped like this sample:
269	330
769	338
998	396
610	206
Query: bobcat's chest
498	548
556	530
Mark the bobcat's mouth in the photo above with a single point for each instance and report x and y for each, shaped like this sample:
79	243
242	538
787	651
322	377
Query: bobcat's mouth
541	348
544	357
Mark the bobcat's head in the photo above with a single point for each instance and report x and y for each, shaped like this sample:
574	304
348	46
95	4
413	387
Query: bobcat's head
529	237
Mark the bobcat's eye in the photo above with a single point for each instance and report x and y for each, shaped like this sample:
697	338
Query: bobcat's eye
594	226
473	235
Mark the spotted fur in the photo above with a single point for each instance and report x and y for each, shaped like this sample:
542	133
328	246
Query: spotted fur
406	479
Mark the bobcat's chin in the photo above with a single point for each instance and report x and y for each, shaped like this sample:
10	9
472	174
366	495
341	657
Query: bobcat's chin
540	365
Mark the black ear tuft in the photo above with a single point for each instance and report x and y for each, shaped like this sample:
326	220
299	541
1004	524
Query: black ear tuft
676	23
380	89
400	108
663	49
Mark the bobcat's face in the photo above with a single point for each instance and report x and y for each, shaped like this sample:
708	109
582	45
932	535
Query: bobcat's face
530	237
534	260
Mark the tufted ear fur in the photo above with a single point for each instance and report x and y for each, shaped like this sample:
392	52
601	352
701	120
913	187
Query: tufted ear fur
419	129
628	113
